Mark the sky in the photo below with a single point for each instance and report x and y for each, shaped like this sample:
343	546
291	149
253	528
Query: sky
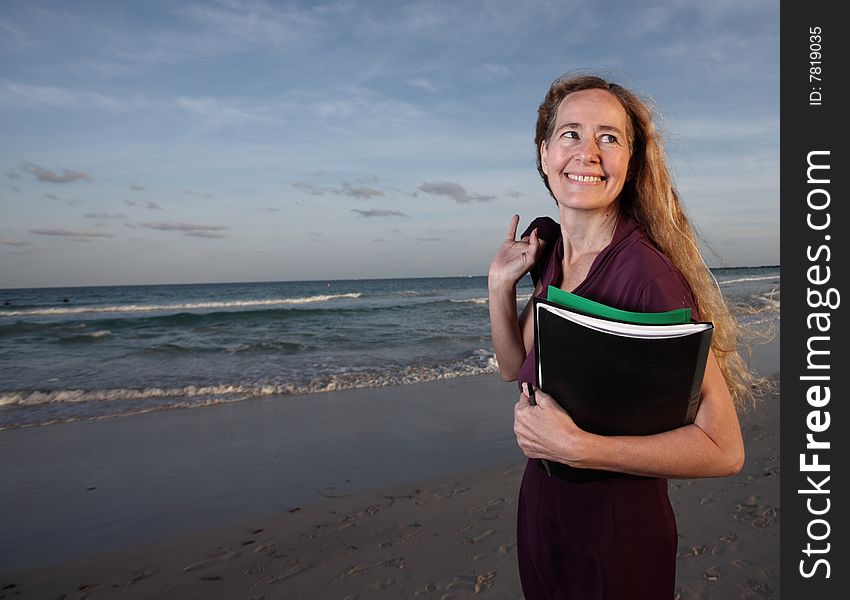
224	141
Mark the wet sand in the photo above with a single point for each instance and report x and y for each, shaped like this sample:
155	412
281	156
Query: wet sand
414	496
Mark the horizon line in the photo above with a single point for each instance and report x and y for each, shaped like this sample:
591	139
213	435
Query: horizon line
463	276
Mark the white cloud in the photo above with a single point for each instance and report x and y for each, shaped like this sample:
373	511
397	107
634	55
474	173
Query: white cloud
150	205
345	189
26	96
254	22
310	188
216	113
46	175
74	233
190	229
14	33
423	84
455	191
374	212
104	215
359	192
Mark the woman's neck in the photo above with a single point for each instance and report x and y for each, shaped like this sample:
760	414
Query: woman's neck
587	233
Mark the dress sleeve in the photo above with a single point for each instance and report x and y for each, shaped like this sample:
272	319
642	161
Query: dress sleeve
667	291
548	231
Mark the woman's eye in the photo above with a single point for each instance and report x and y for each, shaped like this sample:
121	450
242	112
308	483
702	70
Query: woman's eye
573	135
608	138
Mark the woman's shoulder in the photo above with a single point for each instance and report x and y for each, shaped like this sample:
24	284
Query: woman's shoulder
654	283
547	228
549	232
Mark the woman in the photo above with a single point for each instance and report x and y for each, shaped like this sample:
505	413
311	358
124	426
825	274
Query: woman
601	525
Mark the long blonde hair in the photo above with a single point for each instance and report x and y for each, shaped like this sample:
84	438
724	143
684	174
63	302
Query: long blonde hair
650	198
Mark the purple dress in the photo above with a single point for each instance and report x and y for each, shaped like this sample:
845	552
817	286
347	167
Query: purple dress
584	534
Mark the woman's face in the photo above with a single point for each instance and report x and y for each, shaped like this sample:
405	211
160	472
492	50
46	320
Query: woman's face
587	158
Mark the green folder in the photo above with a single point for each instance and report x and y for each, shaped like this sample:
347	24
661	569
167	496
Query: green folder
596	309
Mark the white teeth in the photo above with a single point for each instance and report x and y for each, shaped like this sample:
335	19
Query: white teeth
584	178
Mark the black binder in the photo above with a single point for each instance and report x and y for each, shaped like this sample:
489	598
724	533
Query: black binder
617	378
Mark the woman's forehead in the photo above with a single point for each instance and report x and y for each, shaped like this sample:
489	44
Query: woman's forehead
592	107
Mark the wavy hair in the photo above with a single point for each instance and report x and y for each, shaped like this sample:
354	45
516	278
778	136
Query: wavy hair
649	197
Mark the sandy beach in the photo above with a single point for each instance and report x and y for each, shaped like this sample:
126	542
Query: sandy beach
396	492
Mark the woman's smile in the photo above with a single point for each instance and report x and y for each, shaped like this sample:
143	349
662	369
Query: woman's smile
585	179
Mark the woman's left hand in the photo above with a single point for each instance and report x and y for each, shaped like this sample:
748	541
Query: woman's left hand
546	430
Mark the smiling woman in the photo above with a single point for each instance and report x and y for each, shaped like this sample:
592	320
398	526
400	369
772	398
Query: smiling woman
600	525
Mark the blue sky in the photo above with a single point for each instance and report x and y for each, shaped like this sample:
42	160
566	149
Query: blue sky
168	142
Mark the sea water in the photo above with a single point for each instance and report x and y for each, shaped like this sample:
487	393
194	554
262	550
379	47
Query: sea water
99	352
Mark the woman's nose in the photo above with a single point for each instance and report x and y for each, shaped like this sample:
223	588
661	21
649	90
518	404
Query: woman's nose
589	150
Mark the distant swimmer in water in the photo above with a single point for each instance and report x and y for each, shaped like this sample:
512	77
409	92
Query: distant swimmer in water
65	299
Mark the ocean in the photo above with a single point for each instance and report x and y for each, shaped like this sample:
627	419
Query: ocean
87	353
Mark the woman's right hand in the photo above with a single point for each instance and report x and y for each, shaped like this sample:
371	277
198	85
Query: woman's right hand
514	258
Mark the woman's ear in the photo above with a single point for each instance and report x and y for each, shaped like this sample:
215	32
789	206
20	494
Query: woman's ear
543	156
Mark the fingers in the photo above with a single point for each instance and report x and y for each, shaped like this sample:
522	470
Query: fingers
533	245
512	228
543	399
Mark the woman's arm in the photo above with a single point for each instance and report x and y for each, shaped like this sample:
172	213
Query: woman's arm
512	336
710	447
512	261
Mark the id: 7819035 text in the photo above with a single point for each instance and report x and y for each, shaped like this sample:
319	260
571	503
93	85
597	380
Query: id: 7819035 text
815	66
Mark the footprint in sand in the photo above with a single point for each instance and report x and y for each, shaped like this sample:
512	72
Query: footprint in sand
268	549
490	505
484	581
749	510
450	493
761	589
211	562
409	496
121	581
372	509
395	530
381	585
320	530
255	570
397	563
474	540
288	568
402	538
136	577
772	471
476	523
766	518
472	583
426	590
506	548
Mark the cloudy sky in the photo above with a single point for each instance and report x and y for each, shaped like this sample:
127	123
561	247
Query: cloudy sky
167	142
